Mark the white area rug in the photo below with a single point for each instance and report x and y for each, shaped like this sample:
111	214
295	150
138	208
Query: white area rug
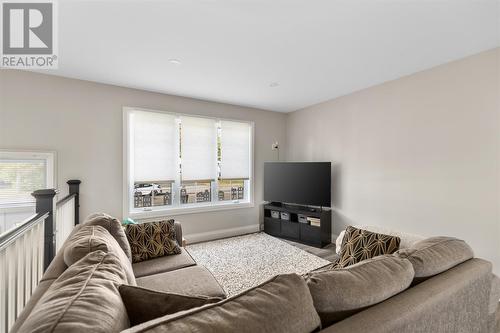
242	262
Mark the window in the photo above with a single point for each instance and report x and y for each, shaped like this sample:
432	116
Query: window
21	173
176	163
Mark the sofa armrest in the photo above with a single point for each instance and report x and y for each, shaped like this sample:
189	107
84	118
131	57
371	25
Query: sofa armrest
178	232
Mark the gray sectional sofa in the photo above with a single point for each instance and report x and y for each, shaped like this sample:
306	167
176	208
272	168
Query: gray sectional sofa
458	299
177	273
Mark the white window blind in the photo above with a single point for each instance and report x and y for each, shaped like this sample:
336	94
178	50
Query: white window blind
21	173
154	146
198	148
235	150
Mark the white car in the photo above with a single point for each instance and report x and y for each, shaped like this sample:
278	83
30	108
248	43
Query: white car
147	189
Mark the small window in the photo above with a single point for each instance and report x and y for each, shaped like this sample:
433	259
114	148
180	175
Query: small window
179	163
231	189
152	194
21	173
193	192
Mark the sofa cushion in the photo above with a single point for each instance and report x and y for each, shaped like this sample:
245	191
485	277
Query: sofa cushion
282	304
359	244
193	280
90	238
435	255
145	304
152	240
57	265
38	292
339	293
114	227
163	264
84	298
454	301
56	268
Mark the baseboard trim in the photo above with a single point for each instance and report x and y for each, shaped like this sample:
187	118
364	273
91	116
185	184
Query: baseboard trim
221	233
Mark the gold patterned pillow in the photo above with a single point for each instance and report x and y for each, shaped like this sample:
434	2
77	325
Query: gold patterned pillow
152	239
359	244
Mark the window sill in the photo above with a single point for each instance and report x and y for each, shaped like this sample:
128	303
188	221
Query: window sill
165	212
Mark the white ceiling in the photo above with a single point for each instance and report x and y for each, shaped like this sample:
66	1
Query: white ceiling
231	51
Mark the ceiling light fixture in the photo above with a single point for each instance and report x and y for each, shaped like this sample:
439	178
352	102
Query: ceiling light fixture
174	61
274	84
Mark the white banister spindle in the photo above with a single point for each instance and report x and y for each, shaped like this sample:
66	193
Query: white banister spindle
11	284
34	259
65	221
21	267
28	264
40	252
19	274
41	255
3	291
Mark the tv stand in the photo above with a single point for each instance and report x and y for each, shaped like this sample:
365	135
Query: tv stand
302	208
294	230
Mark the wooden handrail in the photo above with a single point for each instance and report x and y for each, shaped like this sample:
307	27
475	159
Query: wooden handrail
65	199
11	235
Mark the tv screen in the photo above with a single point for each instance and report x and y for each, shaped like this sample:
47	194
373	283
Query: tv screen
302	183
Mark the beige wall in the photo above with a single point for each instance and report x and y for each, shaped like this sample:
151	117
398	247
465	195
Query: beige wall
82	121
419	154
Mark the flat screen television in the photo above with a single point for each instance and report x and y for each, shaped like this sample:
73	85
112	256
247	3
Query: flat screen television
301	183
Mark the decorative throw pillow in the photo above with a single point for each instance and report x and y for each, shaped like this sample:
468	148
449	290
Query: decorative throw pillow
407	239
113	226
145	304
359	244
152	240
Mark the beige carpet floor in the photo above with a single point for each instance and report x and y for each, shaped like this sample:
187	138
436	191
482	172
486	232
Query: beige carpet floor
240	263
327	252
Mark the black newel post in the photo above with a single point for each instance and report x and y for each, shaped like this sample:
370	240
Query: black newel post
45	202
74	188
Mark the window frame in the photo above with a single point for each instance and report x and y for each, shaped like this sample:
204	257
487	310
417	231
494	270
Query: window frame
51	174
177	208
